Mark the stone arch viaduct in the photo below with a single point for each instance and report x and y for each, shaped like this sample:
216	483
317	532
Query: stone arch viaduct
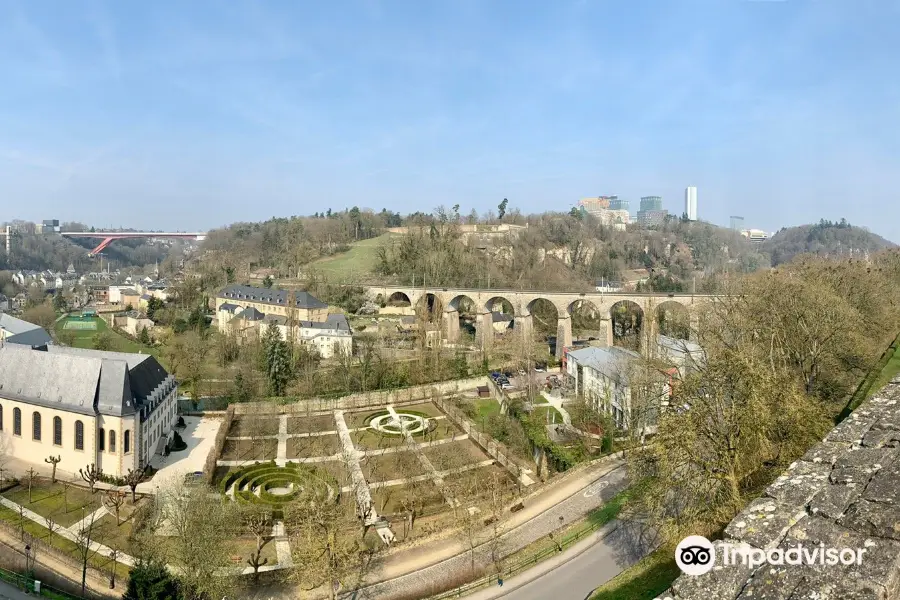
523	301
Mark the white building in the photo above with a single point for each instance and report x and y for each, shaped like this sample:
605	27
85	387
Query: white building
690	203
684	355
110	409
601	377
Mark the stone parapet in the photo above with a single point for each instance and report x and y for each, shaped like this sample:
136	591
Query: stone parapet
843	493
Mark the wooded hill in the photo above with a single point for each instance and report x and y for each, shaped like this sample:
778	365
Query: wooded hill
824	238
554	251
54	252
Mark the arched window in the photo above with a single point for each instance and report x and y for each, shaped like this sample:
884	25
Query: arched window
126	441
79	435
57	431
36	426
112	440
17	421
101	439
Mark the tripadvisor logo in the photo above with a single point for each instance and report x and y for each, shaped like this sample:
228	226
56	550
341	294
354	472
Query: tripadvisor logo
695	555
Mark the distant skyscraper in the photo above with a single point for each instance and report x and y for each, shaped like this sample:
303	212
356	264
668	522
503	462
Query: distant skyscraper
616	203
690	203
651	203
737	223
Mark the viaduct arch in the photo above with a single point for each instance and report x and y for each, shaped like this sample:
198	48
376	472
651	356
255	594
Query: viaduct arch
522	301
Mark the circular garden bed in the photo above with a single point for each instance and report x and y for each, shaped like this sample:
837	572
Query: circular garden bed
268	484
413	422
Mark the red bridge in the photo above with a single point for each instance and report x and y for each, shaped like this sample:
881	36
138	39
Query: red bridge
109	236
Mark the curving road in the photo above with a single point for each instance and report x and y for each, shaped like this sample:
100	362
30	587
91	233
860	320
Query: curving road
576	573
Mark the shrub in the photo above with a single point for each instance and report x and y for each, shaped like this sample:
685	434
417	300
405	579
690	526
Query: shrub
177	443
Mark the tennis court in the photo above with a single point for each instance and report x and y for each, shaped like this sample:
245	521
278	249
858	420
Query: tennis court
81	324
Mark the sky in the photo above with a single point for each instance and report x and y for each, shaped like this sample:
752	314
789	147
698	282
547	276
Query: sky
191	115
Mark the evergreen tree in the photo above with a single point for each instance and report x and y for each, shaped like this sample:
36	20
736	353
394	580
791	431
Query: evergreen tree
240	391
151	581
278	360
59	302
144	336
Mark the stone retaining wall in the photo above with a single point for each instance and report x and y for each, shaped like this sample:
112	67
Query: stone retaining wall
843	493
364	400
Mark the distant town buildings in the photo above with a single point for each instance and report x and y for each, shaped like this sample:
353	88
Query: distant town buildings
690	202
755	235
651	203
616	203
652	218
602	209
244	309
737	223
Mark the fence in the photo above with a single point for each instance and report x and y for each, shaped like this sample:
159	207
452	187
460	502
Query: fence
525	563
25	582
40	547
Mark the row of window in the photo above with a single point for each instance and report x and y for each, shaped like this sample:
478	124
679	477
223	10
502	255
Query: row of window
58	433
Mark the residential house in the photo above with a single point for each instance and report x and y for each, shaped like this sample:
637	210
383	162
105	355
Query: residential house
606	377
684	355
110	409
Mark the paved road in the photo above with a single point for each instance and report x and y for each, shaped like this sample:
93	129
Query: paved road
8	592
577	577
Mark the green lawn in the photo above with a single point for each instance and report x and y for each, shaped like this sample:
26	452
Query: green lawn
359	260
86	339
644	581
546	414
486	408
60	542
48	500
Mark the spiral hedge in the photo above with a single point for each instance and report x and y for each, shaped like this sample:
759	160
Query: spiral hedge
309	483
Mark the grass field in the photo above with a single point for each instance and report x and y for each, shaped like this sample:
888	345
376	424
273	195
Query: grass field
359	260
48	500
85	338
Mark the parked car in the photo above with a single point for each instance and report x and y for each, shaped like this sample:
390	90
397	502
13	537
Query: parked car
507	386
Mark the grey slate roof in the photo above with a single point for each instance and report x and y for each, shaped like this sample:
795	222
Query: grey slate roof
79	380
251	314
228	307
270	296
22	332
611	362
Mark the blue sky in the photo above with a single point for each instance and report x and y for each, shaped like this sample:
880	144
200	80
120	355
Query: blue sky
194	114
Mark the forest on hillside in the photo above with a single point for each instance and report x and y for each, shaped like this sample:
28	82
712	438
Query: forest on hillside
555	250
54	252
823	238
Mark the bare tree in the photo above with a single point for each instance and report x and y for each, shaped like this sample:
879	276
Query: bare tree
85	548
31	473
116	500
53	460
199	550
52	526
326	554
132	480
91	474
257	522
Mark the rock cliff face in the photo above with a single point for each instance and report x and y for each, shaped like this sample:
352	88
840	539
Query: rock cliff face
843	493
